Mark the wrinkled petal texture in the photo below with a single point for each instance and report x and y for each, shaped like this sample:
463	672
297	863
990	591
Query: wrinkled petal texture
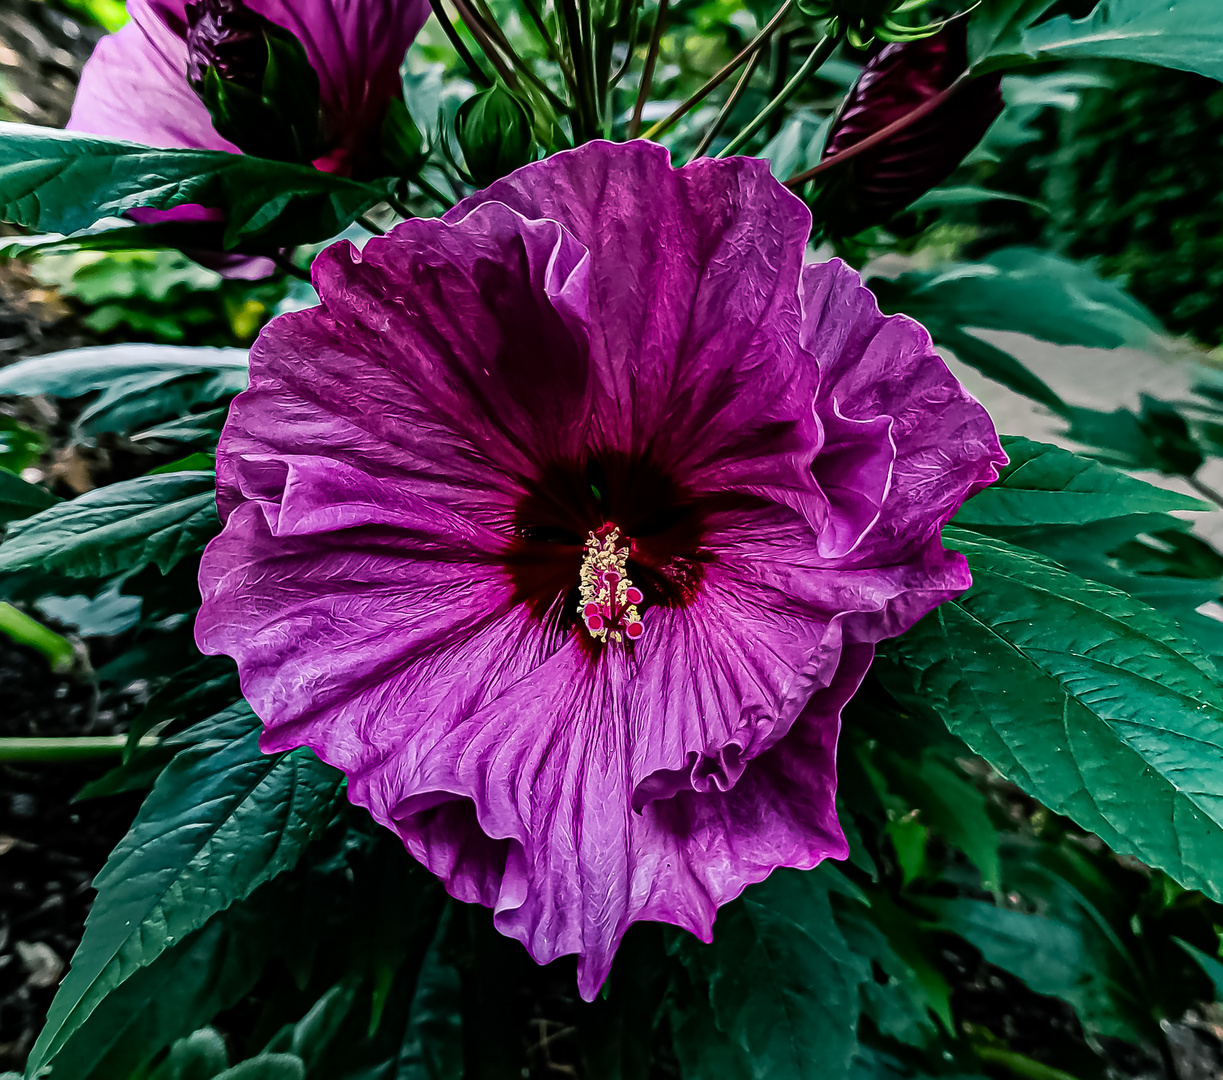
135	88
386	607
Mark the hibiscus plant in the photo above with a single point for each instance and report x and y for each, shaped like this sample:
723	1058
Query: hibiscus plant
591	631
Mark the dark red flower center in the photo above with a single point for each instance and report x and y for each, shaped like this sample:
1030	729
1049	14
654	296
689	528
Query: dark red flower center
563	535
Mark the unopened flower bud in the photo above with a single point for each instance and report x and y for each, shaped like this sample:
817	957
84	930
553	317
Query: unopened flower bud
494	131
864	20
881	181
255	78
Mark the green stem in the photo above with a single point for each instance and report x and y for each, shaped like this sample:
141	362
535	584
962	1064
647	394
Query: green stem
1020	1065
26	631
549	43
647	73
477	72
437	196
819	54
285	263
584	123
488	23
369	225
481	33
731	101
722	75
79	748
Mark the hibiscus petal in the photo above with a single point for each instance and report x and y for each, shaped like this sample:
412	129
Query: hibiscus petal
461	386
872	366
134	86
696	344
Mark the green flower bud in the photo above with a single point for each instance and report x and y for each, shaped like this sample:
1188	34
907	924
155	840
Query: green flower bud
494	132
255	79
865	20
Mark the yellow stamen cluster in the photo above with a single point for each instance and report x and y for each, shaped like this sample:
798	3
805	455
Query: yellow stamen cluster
608	599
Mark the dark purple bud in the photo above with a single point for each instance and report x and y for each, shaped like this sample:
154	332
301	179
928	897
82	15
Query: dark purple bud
228	36
881	181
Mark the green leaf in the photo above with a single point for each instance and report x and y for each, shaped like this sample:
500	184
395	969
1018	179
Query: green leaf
433	1041
185	987
19	499
903	1006
1045	485
1182	34
61	181
100	367
969	196
1091	702
1026	291
121	527
200	1056
20	445
1210	965
1051	957
705	1052
781	979
221	820
996	29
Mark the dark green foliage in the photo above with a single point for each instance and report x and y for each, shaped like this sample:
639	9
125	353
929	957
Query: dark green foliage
1133	183
57	182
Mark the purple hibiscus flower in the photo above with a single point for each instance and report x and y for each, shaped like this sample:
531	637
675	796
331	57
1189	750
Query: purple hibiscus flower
566	525
136	86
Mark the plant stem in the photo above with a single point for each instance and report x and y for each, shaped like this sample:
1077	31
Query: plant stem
437	196
882	135
18	626
367	223
78	748
647	72
488	24
477	72
1205	490
731	101
291	268
1020	1065
585	123
818	55
481	33
549	43
721	76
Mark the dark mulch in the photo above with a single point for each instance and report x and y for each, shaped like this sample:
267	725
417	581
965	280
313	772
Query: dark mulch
50	848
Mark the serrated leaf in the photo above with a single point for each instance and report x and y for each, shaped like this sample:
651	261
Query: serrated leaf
782	981
121	527
61	181
220	821
19	499
1088	700
74	372
185	987
1045	485
1182	34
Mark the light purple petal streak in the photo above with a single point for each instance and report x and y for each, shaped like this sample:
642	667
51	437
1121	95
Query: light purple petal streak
782	455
